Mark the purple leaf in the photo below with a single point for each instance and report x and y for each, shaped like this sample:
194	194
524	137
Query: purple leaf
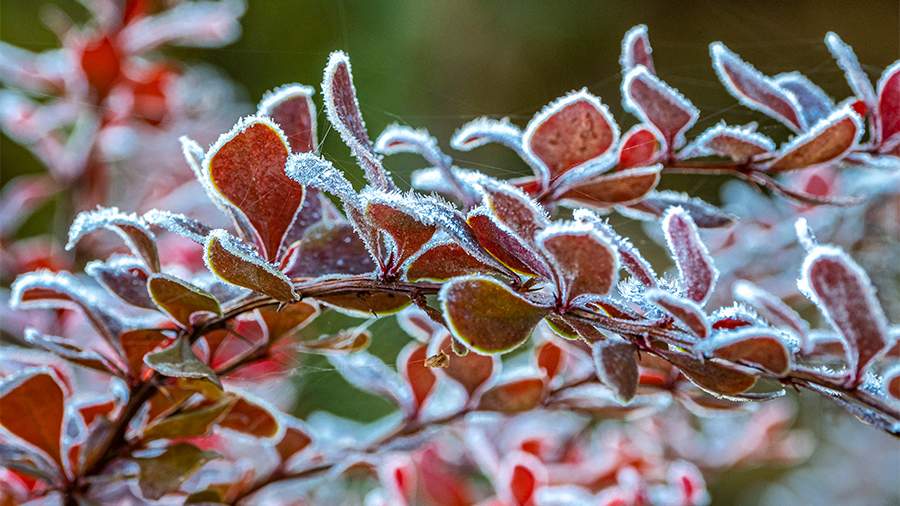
695	266
636	50
660	105
292	108
845	296
616	365
753	89
123	276
654	205
814	103
342	108
686	312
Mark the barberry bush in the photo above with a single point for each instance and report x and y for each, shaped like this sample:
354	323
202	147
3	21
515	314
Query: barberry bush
546	362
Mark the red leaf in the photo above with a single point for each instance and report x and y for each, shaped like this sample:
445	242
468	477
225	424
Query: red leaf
486	315
295	439
827	142
753	89
32	407
757	347
502	243
180	299
292	108
102	64
737	143
513	396
711	377
845	296
639	148
285	321
137	343
472	371
889	102
695	267
574	130
444	261
636	49
585	262
133	231
550	359
771	308
631	258
623	187
124	277
328	248
237	264
343	112
520	477
616	365
892	382
251	418
366	304
660	105
421	379
247	166
402	223
686	312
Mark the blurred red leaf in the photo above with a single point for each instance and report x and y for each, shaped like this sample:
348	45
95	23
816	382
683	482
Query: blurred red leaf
137	343
513	396
639	148
164	473
32	407
615	362
250	418
421	379
762	348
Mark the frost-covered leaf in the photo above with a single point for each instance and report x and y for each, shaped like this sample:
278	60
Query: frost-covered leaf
486	315
574	130
342	108
710	376
636	49
685	311
132	229
366	304
444	260
124	276
757	347
584	260
32	407
403	139
368	373
844	294
178	223
695	266
407	226
513	396
164	473
513	209
506	246
622	187
178	361
737	143
251	416
753	89
815	104
328	248
472	371
826	142
616	366
45	289
658	104
734	317
180	299
420	379
310	169
136	344
237	264
292	108
247	167
62	348
846	59
770	307
630	257
191	422
889	104
639	148
481	131
655	204
282	322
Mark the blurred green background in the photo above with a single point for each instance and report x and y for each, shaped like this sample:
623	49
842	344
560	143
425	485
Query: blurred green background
440	64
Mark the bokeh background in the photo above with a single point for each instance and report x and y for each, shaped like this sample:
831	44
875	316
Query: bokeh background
440	64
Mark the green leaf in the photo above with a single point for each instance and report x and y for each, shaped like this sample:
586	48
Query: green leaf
179	361
164	473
